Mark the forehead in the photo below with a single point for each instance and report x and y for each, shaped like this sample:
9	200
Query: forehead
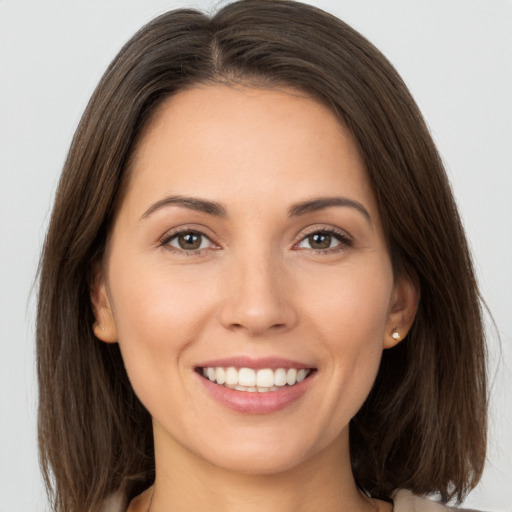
252	141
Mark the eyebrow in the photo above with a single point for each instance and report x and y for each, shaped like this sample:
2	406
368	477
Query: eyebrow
218	210
192	203
321	203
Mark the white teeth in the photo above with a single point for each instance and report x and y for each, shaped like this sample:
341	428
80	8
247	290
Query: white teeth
280	377
250	389
231	376
291	376
264	378
220	375
261	381
247	377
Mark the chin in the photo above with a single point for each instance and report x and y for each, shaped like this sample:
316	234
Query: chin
268	454
259	463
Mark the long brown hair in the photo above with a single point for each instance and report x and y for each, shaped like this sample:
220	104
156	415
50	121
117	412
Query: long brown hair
423	427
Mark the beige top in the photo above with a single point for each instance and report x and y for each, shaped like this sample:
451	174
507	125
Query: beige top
404	501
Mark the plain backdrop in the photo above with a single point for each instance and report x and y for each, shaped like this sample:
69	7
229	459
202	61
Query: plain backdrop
456	57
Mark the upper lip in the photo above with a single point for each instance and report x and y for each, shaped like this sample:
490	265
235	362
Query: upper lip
255	363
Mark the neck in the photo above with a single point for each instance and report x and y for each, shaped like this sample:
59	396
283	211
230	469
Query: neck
187	483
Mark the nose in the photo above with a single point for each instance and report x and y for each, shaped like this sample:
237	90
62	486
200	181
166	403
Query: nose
257	296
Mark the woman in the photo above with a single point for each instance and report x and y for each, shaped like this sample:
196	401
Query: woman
255	289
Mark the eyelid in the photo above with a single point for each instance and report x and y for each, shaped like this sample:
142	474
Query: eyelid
164	240
341	235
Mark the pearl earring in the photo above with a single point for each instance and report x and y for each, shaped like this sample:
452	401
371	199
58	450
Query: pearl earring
396	335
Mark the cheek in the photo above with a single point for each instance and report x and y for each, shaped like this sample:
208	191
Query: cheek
348	315
351	303
156	305
157	317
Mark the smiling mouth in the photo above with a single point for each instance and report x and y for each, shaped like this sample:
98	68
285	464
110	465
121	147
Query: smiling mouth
255	381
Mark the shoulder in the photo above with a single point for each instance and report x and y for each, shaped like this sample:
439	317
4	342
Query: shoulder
406	501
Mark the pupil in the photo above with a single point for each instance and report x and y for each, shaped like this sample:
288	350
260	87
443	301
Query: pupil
320	241
189	241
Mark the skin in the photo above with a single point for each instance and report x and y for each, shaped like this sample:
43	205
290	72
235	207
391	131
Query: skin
257	287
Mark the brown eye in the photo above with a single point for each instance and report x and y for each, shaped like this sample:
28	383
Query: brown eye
189	241
320	240
325	241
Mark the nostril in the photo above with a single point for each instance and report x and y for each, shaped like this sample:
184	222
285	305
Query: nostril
255	313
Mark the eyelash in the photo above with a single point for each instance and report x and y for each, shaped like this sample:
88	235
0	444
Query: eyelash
344	241
168	238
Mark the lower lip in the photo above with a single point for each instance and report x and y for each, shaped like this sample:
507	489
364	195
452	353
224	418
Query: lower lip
256	403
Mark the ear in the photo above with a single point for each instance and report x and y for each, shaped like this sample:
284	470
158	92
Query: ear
105	326
403	307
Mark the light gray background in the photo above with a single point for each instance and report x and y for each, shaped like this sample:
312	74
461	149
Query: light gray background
455	55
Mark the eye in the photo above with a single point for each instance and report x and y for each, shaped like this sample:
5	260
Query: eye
188	241
324	240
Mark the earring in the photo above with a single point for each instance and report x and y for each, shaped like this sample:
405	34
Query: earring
396	335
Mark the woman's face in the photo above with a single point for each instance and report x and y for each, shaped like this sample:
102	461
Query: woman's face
248	249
